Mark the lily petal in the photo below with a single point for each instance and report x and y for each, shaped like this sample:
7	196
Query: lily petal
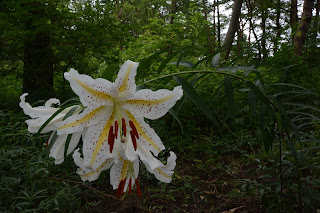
165	173
148	137
89	174
152	104
88	117
57	150
119	171
148	159
41	114
95	146
125	80
92	92
36	112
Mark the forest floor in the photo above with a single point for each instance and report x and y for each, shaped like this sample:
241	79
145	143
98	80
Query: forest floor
195	188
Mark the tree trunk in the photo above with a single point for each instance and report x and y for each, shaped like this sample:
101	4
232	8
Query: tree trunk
300	36
219	27
233	26
38	55
278	28
263	28
207	27
293	15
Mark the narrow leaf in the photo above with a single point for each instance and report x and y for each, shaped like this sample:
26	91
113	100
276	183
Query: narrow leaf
187	64
108	72
174	114
215	60
196	99
230	95
166	61
53	116
146	63
67	145
252	102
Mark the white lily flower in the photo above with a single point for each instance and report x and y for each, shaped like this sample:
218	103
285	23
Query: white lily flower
114	114
124	171
40	115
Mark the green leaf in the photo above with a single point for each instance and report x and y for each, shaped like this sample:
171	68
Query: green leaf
166	61
187	64
260	95
146	63
234	69
174	114
67	145
52	141
108	72
252	102
230	95
52	117
196	99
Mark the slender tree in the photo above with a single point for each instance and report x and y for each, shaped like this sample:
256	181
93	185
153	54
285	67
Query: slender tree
233	26
293	14
300	36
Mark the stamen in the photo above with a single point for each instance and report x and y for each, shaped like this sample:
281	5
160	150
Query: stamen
116	129
130	186
122	187
134	129
138	188
124	127
119	188
110	134
134	142
111	142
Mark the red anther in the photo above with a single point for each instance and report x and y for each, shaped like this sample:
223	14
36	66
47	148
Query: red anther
122	187
119	188
110	134
138	188
48	143
124	128
134	142
134	129
111	142
130	186
116	129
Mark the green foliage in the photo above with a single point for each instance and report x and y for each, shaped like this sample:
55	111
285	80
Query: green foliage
260	108
27	178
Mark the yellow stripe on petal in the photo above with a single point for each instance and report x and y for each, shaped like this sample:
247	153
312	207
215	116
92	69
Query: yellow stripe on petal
82	120
146	102
125	80
93	91
97	170
124	169
102	137
164	174
140	130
